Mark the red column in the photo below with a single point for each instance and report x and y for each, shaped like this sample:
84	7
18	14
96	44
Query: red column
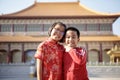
25	28
43	27
9	54
86	30
23	53
100	54
87	50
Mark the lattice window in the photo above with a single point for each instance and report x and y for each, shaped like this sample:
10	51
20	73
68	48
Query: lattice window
5	28
34	27
105	27
92	27
80	27
19	27
46	26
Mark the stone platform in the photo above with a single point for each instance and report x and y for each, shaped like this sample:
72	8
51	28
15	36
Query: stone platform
22	72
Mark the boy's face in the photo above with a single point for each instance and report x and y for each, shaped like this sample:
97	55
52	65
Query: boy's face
71	38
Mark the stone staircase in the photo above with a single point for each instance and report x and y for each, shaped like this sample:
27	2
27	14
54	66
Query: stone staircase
23	71
104	71
14	70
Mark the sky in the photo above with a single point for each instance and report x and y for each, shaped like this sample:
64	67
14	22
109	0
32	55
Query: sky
103	6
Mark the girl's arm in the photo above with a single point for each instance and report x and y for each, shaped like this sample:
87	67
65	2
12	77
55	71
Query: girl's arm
39	69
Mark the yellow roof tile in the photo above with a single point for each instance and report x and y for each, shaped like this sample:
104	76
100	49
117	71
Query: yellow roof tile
58	9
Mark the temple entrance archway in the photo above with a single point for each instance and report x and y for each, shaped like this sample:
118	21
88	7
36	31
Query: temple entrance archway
3	56
29	55
93	55
16	56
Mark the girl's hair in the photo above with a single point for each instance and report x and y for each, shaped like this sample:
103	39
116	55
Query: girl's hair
51	28
72	29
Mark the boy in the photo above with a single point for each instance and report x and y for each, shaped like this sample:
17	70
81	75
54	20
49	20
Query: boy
75	57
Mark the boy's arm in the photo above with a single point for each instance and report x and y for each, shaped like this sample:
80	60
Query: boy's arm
39	69
78	57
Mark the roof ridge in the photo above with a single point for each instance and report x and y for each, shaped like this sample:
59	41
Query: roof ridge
51	8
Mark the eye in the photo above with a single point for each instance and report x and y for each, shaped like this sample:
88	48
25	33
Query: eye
67	37
58	30
73	37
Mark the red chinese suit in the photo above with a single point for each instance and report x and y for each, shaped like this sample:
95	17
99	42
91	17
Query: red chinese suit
75	64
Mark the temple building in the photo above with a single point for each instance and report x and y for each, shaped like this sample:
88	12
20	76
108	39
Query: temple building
114	54
22	31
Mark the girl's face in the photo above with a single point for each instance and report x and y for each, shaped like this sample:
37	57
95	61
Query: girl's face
57	32
71	38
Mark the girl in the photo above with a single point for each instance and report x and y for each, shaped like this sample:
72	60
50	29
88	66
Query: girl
49	54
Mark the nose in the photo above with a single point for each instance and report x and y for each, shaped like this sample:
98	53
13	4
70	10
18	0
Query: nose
70	39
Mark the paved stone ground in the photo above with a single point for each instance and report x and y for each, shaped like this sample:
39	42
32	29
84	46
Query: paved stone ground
104	78
36	79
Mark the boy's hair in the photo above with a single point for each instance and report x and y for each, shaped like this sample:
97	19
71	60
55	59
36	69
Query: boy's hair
51	28
73	29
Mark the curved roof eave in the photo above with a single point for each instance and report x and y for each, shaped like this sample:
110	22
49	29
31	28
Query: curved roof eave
72	9
56	17
22	10
42	38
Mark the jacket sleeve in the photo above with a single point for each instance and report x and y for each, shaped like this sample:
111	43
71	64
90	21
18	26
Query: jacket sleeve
78	55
